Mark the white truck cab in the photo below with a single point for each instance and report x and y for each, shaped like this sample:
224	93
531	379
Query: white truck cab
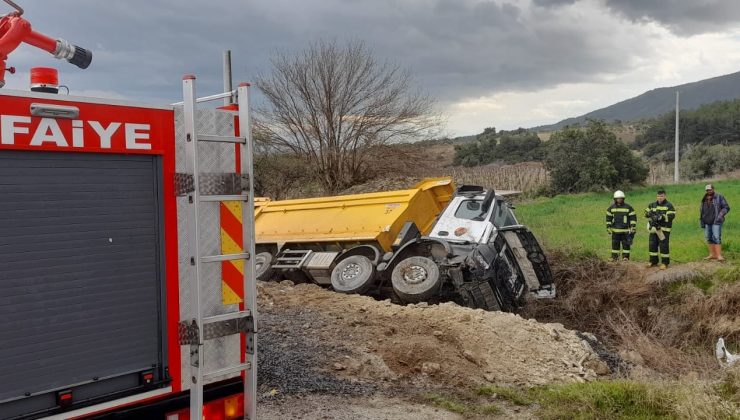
473	218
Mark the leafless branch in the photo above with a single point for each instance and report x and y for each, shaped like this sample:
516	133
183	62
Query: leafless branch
332	104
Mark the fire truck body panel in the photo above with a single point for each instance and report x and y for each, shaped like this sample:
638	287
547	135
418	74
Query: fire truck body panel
92	270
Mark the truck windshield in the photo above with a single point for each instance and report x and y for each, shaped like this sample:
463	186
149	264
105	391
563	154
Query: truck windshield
502	215
471	210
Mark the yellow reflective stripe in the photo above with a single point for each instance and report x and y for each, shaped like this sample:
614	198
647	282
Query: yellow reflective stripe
665	229
620	230
653	254
665	255
608	213
620	210
632	214
663	208
670	212
615	251
625	251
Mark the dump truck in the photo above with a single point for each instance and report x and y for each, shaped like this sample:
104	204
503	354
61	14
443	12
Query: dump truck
429	243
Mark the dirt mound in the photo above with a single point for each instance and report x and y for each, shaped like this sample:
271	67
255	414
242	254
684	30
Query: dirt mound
428	344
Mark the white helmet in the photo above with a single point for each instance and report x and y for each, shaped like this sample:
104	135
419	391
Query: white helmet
618	194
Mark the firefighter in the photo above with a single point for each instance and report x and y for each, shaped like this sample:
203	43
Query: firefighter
660	215
621	221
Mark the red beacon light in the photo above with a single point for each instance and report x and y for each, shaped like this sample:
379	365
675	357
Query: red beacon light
44	79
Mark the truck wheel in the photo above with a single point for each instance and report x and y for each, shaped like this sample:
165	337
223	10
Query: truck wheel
262	266
416	279
481	296
354	274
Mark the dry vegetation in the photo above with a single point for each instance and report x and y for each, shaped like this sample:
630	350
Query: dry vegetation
528	177
671	323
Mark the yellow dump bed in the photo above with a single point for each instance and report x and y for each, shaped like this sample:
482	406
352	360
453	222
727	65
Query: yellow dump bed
374	217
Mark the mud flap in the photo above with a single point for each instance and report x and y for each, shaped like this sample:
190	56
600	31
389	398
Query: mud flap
531	261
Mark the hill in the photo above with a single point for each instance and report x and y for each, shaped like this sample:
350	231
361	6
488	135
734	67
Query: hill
662	100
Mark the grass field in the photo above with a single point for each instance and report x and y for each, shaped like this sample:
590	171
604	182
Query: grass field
576	222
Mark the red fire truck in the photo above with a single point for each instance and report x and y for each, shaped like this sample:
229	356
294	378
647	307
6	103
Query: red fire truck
126	234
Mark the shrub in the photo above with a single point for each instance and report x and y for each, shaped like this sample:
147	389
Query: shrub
591	159
706	161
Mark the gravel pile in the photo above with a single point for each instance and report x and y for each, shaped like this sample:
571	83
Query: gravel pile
292	360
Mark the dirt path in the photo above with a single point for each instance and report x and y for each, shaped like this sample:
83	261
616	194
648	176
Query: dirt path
342	408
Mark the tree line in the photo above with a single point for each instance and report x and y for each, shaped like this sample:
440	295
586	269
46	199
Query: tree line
717	123
579	158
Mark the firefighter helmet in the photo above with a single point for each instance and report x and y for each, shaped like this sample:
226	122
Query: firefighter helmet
618	194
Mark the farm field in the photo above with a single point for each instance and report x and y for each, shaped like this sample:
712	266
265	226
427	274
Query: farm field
575	223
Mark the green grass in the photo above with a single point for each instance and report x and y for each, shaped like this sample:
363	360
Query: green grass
458	406
619	399
604	400
575	223
505	393
707	282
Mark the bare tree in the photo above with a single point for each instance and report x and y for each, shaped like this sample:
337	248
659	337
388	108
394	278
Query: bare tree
332	104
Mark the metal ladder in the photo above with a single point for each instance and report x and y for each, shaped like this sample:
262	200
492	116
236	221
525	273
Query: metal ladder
228	187
288	258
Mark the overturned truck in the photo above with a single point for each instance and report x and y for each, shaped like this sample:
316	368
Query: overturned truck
430	243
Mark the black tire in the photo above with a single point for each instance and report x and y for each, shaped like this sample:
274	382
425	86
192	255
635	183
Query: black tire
481	296
355	274
416	279
263	266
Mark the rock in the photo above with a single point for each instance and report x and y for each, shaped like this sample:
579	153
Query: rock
598	366
468	355
430	368
390	331
589	336
554	334
586	346
490	377
632	357
287	283
271	393
437	333
339	366
464	318
306	326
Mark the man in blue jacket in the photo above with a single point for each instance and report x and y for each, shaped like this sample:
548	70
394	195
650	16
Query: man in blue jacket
712	214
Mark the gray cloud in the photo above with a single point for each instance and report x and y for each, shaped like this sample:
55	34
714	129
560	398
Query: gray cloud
455	48
683	17
553	3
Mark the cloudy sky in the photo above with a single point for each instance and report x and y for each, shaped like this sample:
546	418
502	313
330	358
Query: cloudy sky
502	63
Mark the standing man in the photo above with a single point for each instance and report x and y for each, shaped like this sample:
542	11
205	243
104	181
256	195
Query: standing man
621	221
660	215
714	208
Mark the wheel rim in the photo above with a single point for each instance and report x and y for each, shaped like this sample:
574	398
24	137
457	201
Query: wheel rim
415	274
259	262
351	271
